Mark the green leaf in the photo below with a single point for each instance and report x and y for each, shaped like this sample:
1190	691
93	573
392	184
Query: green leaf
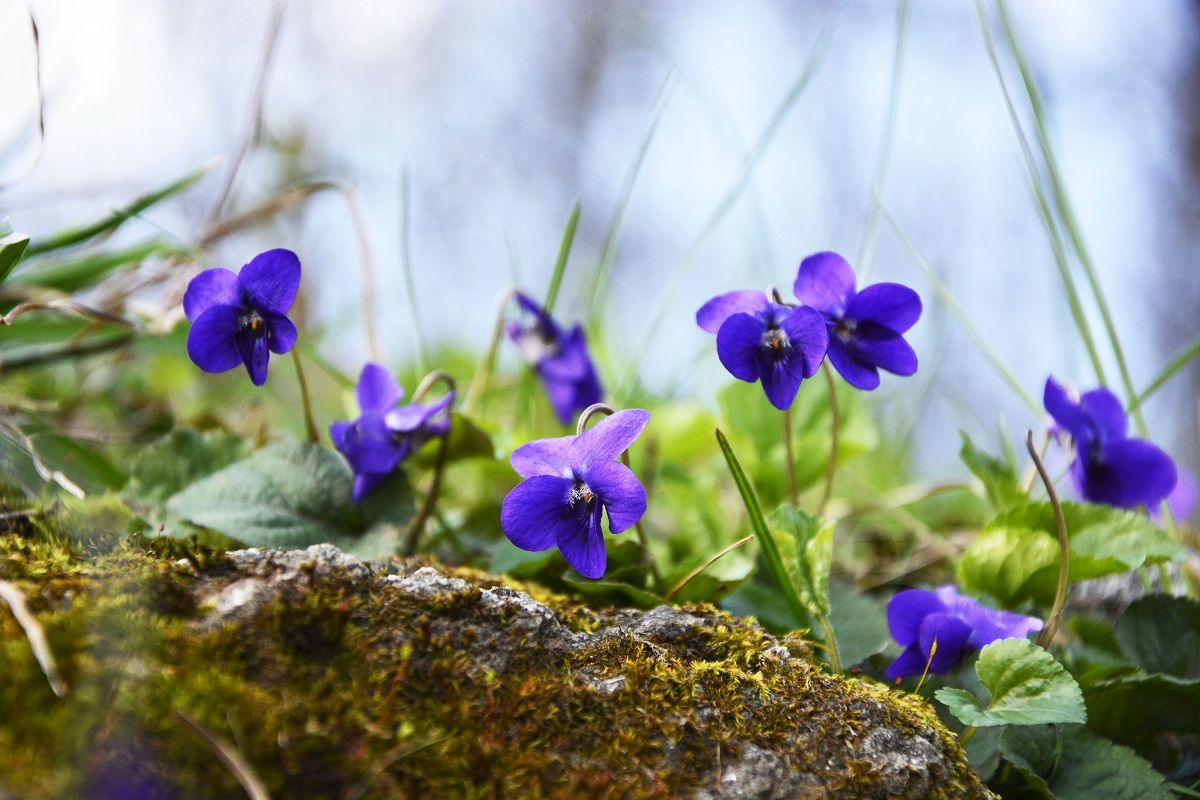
467	440
1027	686
295	494
75	274
174	462
998	476
859	622
12	248
1072	763
1161	634
1016	556
1138	709
806	547
564	253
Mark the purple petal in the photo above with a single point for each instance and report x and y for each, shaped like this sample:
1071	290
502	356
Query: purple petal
582	545
543	320
253	350
408	418
366	483
213	287
563	396
884	349
607	439
780	378
825	281
738	341
952	636
543	457
1065	410
377	388
1182	499
1107	414
889	304
987	624
809	335
367	444
857	373
272	279
210	341
620	492
906	610
713	314
281	333
1126	474
910	662
536	514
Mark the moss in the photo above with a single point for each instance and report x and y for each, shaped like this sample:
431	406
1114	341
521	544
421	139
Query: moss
341	687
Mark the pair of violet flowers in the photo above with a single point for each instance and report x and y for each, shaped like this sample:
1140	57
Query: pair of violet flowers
780	344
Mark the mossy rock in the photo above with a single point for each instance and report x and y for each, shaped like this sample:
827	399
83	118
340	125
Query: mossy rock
332	678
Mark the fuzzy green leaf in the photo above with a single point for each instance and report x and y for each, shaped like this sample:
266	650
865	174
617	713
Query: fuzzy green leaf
1161	634
1136	709
1027	686
998	476
174	462
1072	763
806	546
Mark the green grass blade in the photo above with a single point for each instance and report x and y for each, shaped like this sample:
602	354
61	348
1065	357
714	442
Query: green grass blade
406	269
12	250
722	209
1043	204
564	253
950	302
1177	363
762	533
80	273
866	252
608	250
1065	210
74	236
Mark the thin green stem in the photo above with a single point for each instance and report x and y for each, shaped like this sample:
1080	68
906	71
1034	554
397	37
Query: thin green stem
309	425
1181	360
831	644
407	270
413	535
677	588
835	421
487	365
966	735
793	488
1064	548
564	253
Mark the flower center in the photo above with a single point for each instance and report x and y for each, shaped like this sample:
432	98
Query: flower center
845	328
777	342
252	321
581	492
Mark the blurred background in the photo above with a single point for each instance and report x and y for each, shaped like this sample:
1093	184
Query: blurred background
775	122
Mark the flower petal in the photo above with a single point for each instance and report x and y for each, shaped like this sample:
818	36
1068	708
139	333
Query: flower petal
739	339
543	457
408	418
1106	413
253	350
366	483
713	314
281	333
536	514
781	378
825	281
884	348
563	396
987	624
911	661
213	287
272	279
809	335
544	321
582	546
892	305
952	636
856	372
620	492
607	439
571	362
1126	474
210	341
907	609
1065	410
377	388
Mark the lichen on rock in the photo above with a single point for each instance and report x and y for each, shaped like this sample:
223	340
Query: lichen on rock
342	679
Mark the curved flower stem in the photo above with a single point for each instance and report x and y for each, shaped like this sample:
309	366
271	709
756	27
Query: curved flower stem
1064	548
305	401
835	420
691	575
793	490
483	375
584	417
413	534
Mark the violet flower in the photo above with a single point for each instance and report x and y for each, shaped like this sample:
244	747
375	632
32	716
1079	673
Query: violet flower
385	433
1109	467
917	618
758	340
568	482
865	326
242	318
559	357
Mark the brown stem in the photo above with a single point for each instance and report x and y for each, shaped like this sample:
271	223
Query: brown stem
691	575
1064	548
413	535
309	425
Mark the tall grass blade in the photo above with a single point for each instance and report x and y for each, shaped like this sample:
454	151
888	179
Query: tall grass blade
1177	363
407	270
564	253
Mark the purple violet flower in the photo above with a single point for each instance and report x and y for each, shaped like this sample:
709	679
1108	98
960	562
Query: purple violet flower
385	432
242	318
865	327
1109	467
918	617
559	357
758	340
568	482
1182	499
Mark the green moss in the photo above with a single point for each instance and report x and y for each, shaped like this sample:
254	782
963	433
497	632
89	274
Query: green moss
339	687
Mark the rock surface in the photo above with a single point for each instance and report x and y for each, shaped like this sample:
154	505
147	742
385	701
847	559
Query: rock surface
334	678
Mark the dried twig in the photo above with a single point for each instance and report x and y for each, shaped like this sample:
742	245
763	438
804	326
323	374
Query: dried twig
230	757
36	636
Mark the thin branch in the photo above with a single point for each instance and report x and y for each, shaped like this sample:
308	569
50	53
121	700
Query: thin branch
1064	548
36	636
231	758
41	96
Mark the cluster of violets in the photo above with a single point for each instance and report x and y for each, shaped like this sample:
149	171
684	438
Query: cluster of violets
569	484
